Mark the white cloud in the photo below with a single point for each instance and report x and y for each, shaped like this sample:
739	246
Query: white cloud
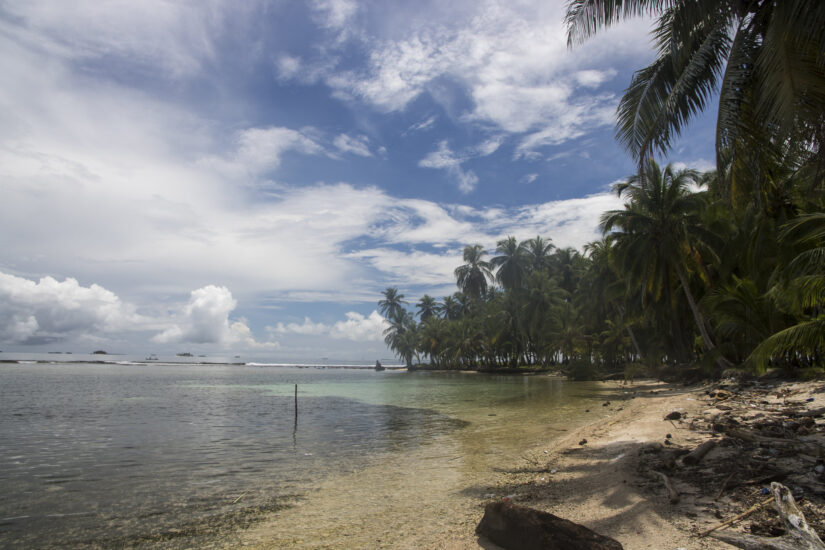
529	178
358	145
512	60
422	126
305	328
592	78
174	36
288	66
359	328
356	327
259	150
51	311
335	13
444	158
205	320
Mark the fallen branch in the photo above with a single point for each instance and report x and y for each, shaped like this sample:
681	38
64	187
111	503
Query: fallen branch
695	456
732	520
798	536
672	493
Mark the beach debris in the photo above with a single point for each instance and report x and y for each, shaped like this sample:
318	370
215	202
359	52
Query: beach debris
583	442
606	403
675	415
697	454
798	534
512	526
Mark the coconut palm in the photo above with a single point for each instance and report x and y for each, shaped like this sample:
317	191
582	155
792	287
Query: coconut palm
766	58
451	308
804	291
472	276
401	336
511	263
427	307
656	233
538	253
392	306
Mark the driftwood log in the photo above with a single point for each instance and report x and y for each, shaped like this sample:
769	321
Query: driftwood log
695	456
512	526
798	536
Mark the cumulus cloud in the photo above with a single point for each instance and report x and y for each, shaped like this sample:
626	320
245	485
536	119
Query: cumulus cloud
360	328
356	327
51	311
306	328
205	320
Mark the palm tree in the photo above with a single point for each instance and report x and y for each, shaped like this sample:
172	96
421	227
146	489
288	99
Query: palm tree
510	264
401	336
564	263
392	306
472	276
451	308
427	307
765	57
538	253
656	233
804	291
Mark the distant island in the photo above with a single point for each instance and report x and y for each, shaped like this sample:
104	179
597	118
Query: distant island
185	354
99	352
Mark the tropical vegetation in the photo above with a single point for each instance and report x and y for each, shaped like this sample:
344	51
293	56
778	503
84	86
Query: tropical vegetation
718	269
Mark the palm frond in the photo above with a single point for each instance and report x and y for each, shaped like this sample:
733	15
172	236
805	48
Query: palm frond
585	17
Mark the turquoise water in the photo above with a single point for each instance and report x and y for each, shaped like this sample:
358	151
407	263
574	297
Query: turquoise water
189	455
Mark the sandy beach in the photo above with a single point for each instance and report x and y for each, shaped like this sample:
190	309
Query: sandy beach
597	475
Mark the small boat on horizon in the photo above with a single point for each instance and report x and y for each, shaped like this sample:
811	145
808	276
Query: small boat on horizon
152	357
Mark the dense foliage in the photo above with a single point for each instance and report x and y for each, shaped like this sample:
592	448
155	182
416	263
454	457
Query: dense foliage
679	277
720	269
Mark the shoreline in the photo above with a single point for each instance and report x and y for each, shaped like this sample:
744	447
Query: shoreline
590	476
601	475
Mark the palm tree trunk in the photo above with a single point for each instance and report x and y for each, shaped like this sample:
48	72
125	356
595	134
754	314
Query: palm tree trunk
700	323
620	310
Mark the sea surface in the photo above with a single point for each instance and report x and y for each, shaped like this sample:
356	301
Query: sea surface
192	455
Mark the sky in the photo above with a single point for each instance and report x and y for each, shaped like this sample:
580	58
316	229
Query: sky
247	177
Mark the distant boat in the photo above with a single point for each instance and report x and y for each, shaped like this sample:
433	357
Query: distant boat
185	354
379	367
152	357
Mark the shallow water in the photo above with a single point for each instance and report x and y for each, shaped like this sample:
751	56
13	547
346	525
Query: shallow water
190	455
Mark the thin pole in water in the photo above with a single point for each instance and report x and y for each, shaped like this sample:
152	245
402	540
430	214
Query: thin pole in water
295	426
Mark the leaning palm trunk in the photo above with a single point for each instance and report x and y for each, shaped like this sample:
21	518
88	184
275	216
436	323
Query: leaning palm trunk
700	322
630	333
